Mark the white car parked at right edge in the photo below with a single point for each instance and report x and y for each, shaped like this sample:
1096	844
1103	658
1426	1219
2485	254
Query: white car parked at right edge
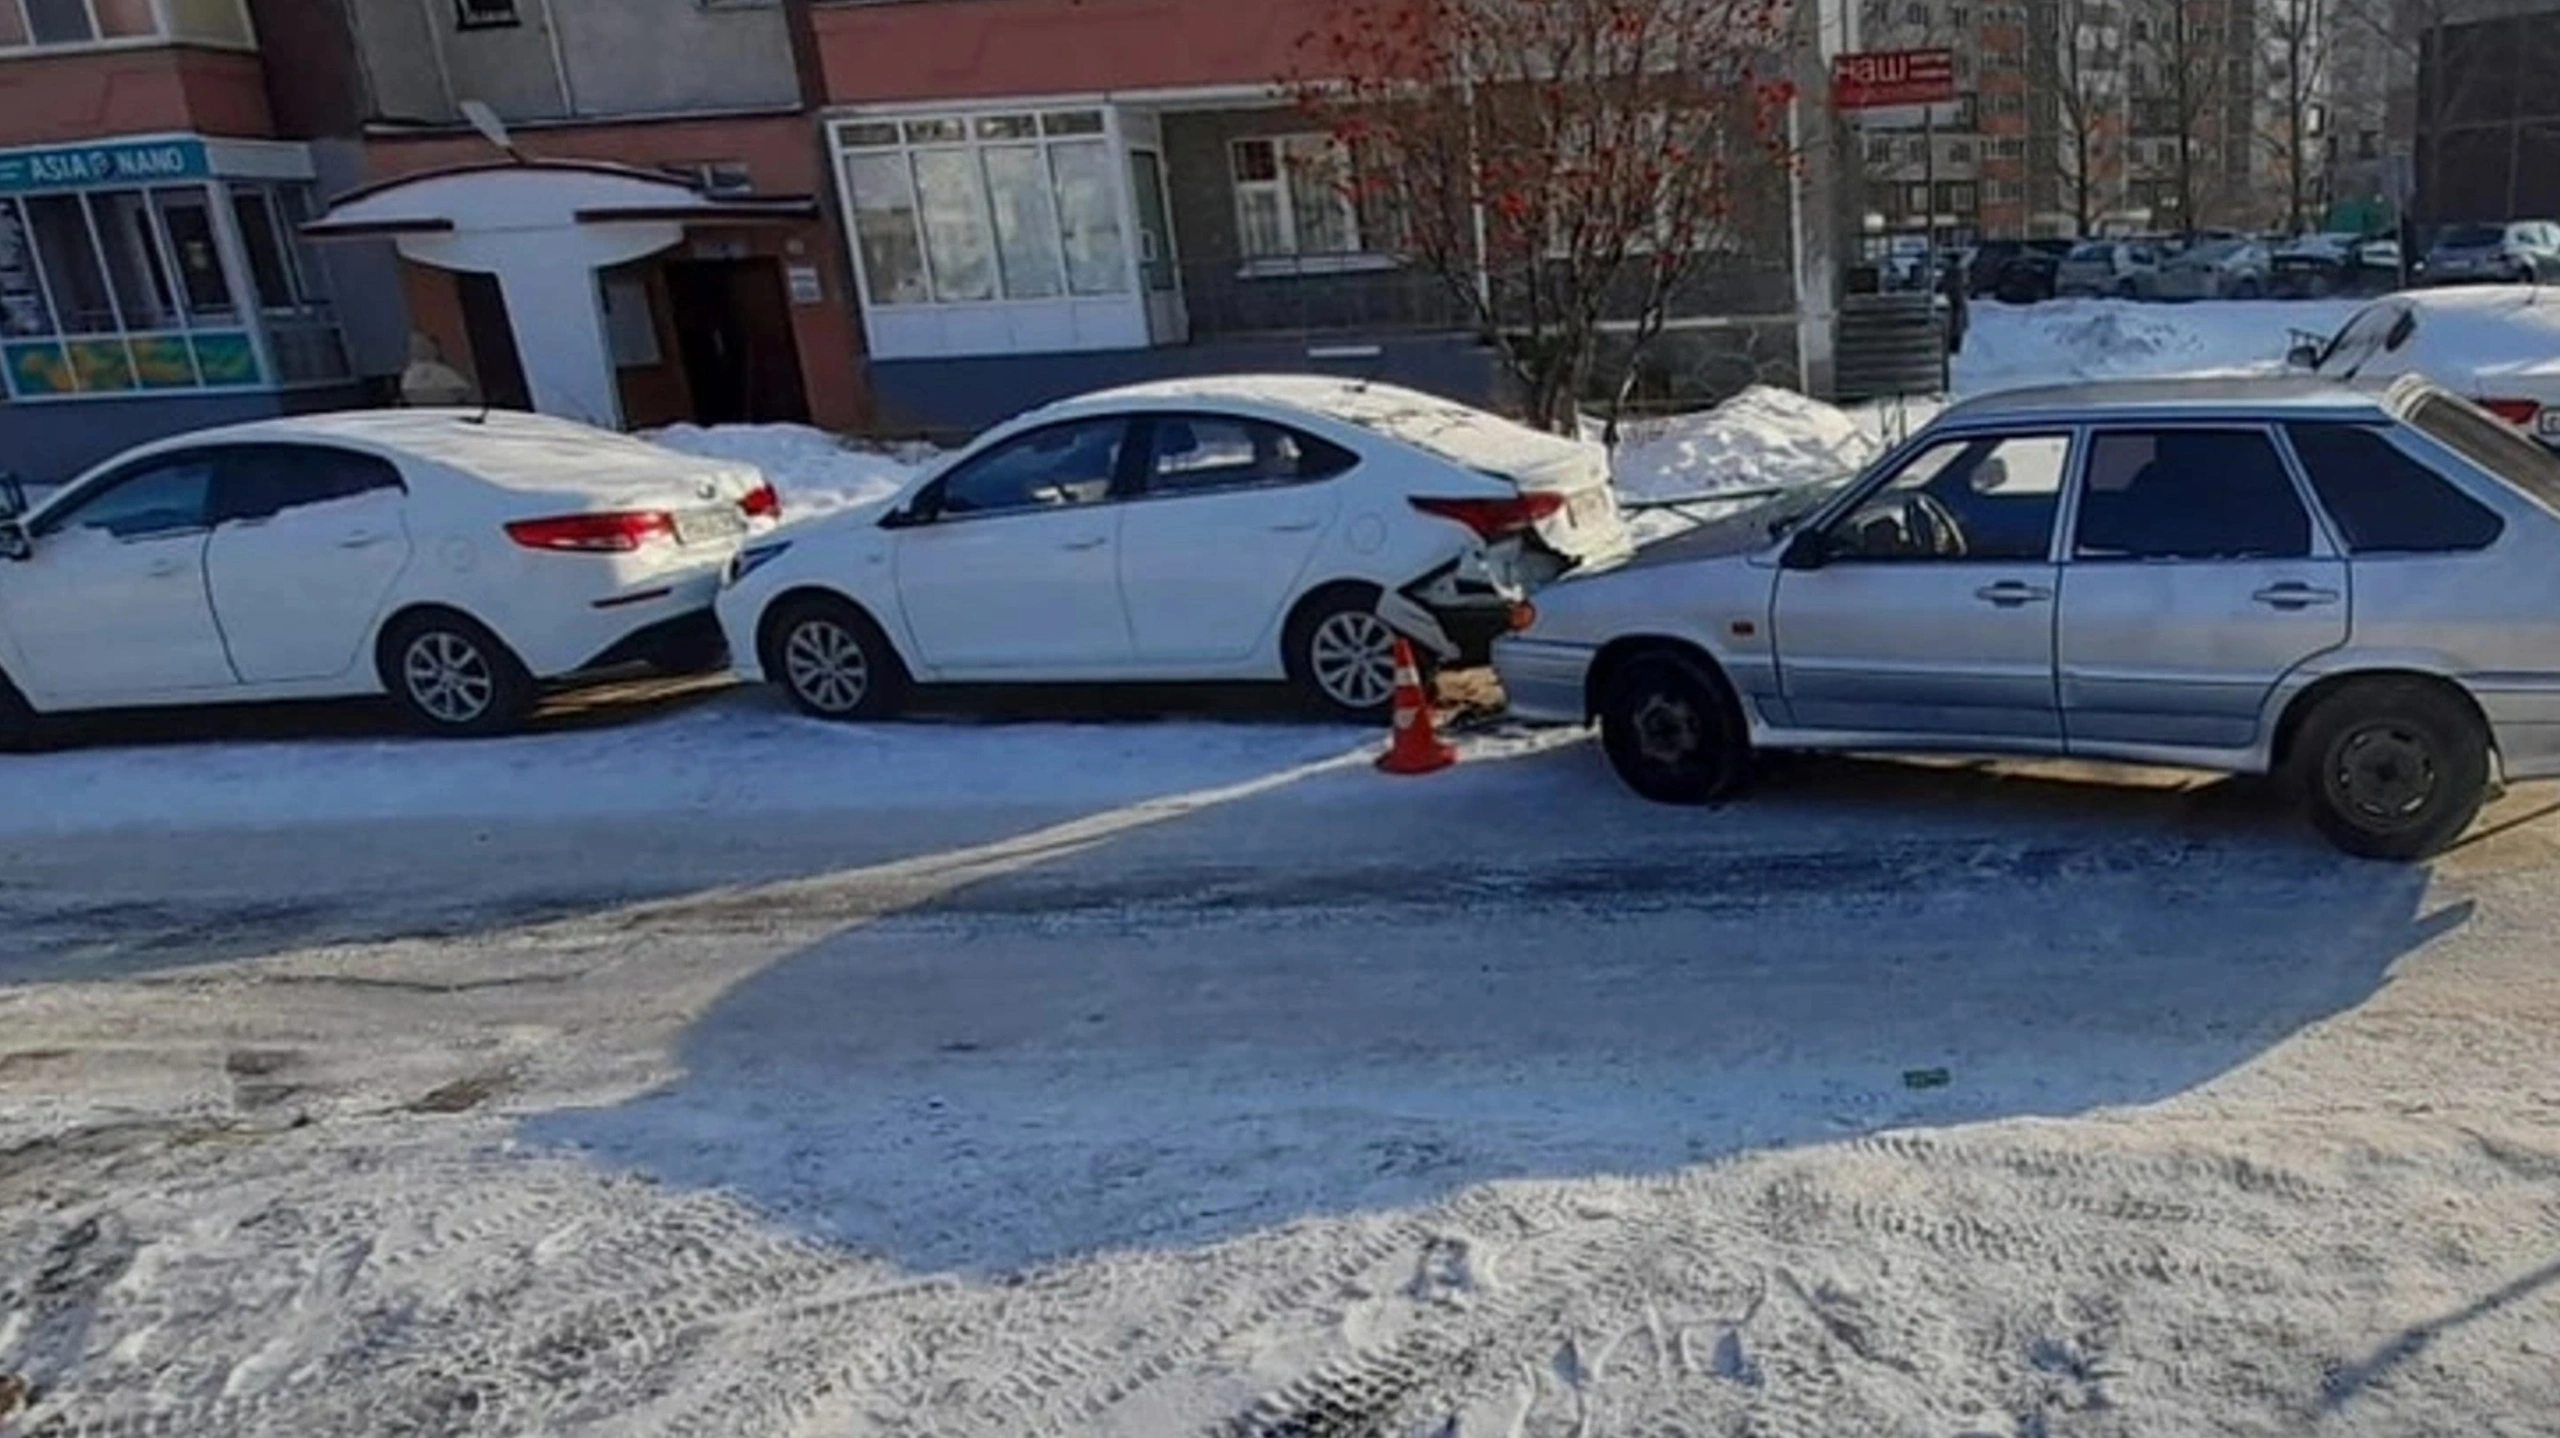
455	560
1239	528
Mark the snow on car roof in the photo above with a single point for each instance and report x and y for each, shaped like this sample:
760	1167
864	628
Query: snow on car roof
2220	394
1457	432
2489	330
508	448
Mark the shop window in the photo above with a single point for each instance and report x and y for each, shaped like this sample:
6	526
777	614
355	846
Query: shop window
123	289
976	209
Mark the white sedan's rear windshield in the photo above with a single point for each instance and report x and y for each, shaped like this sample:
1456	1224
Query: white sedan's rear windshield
2493	444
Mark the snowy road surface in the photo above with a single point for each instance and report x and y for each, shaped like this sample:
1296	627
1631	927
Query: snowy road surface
1273	1097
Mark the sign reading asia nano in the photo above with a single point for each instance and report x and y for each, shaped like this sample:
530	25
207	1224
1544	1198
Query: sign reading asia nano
1884	79
120	162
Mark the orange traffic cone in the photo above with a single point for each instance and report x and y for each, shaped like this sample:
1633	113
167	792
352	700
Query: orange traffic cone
1414	747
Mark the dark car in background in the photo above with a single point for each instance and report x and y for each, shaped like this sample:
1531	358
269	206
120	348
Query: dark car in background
2015	271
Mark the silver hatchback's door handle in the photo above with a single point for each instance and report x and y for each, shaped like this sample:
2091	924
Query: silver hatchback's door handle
2294	594
163	568
360	539
1295	527
1094	543
2010	594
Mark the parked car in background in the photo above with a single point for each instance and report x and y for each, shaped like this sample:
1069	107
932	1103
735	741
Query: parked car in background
2032	276
1231	528
2214	270
2499	345
1992	260
2359	591
2517	252
2310	266
455	560
2125	269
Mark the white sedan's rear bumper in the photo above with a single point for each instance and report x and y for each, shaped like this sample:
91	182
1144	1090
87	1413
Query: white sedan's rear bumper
1544	681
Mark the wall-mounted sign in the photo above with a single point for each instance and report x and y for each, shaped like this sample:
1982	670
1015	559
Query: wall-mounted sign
78	167
1883	79
806	287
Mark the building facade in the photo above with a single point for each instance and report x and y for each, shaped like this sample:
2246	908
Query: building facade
707	280
1047	196
152	278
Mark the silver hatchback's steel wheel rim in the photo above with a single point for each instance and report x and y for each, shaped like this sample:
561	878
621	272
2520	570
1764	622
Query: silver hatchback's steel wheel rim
826	665
2385	774
1667	731
449	678
1353	657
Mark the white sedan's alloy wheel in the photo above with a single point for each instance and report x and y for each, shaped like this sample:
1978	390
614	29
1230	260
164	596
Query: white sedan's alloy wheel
449	678
1352	655
826	665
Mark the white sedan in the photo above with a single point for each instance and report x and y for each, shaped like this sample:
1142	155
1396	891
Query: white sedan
1238	528
2497	345
453	559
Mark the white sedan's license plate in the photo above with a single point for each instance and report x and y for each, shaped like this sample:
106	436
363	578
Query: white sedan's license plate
702	526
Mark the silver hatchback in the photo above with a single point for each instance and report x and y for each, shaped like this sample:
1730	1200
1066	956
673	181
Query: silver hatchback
2357	590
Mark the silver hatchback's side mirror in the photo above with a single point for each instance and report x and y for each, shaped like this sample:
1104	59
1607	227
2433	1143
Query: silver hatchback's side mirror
14	543
13	495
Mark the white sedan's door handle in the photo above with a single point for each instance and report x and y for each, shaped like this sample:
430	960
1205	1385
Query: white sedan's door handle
1096	542
1296	526
361	538
163	568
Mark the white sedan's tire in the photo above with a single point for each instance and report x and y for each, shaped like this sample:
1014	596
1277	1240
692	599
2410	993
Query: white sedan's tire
832	660
1341	654
451	676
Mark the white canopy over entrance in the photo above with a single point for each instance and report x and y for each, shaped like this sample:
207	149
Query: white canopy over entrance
543	229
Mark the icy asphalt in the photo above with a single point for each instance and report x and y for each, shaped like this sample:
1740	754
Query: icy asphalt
1245	1090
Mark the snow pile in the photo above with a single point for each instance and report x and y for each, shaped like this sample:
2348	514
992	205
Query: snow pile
816	472
1762	436
2011	346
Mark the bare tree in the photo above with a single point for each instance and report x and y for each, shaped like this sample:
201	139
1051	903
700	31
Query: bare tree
1564	166
2296	61
2186	54
2085	75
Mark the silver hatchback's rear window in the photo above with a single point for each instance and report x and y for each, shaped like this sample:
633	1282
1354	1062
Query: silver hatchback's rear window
2489	442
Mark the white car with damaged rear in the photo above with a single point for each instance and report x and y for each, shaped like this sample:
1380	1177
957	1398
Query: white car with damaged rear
456	560
1241	528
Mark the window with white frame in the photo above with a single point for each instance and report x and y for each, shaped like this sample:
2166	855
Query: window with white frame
114	290
48	24
1295	195
977	209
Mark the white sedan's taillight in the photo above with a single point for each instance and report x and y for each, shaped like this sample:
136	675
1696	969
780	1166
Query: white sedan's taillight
2518	412
616	533
1496	518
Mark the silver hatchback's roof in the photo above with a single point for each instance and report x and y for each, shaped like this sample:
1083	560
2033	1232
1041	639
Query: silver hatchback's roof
2241	397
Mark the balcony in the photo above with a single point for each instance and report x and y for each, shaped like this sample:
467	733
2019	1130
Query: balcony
44	27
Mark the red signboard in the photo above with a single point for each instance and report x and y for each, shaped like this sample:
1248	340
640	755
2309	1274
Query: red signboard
1879	79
